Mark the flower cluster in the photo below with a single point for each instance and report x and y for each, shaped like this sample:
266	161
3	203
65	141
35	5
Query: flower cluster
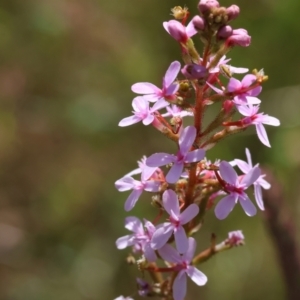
185	185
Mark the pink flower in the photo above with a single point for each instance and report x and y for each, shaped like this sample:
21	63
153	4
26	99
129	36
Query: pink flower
184	267
154	94
127	183
235	188
177	219
176	111
245	167
186	140
140	239
178	31
257	119
141	112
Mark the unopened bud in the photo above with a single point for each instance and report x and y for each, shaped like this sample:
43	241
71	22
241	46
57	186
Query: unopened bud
194	71
233	12
239	37
198	23
224	32
228	105
235	238
206	5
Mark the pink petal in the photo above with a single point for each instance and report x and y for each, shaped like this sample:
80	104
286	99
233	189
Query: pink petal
152	186
189	254
161	235
148	120
149	253
190	29
181	239
125	184
179	286
195	156
170	202
268	120
129	121
134	224
244	167
258	196
218	91
248	80
160	159
189	213
234	85
145	88
172	73
174	173
186	139
168	253
252	100
124	241
171	90
228	173
262	134
161	103
251	177
139	104
249	159
132	199
248	206
225	206
197	276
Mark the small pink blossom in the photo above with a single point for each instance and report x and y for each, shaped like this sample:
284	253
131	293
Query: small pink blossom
186	140
245	167
252	117
177	219
178	31
123	298
140	239
235	188
127	183
235	238
154	94
175	111
141	112
184	267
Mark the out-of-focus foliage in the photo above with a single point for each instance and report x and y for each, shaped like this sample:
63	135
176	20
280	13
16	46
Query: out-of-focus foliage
65	76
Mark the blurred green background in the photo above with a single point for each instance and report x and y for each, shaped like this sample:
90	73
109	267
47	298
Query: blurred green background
65	76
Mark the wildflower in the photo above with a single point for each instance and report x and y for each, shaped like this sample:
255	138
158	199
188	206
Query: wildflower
177	219
235	187
178	31
140	239
186	140
127	183
257	119
245	167
184	267
154	94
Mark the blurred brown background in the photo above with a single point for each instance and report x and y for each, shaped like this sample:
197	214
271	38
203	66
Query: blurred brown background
65	75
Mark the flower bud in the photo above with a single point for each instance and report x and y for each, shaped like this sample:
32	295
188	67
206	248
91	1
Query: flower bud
233	12
235	238
176	30
198	23
205	5
224	32
239	37
228	105
194	71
